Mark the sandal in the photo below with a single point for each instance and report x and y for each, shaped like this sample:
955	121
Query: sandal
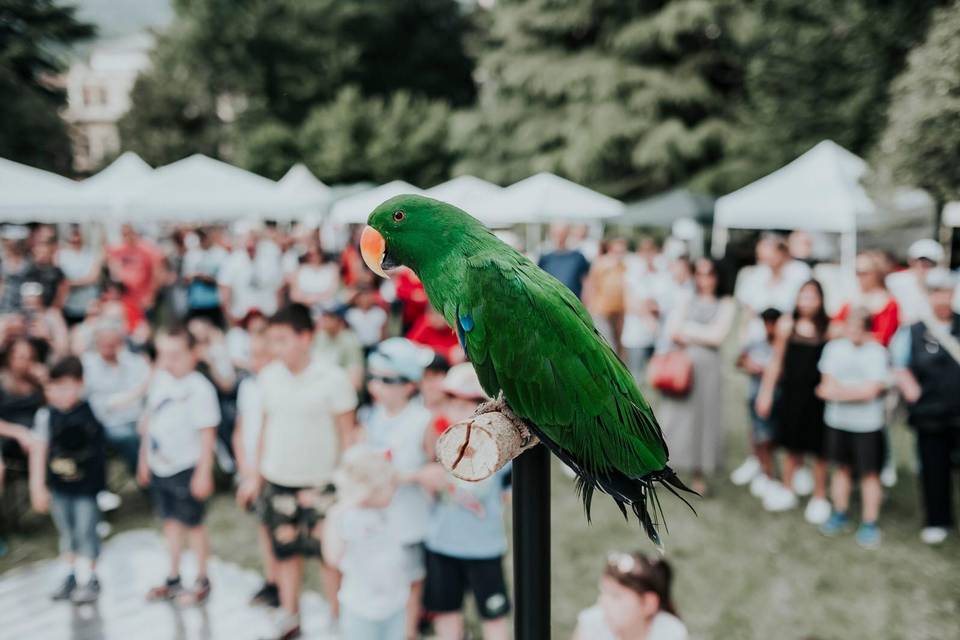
170	589
196	596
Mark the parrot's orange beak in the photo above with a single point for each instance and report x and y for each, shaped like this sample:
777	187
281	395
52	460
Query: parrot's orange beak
373	248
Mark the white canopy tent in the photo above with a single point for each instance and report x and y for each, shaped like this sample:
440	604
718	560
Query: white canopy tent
308	196
819	191
356	208
546	197
28	194
201	189
466	192
105	189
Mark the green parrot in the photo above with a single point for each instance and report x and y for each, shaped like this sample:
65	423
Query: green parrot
530	339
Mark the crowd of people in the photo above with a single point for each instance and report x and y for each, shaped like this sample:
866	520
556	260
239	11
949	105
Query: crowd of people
270	355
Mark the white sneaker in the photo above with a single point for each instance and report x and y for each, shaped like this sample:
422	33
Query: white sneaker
108	501
759	485
888	476
803	482
933	535
746	472
817	511
104	529
779	498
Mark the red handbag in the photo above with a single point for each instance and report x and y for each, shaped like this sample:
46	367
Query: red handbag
671	372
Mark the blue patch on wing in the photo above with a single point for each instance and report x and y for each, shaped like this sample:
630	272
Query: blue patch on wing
464	326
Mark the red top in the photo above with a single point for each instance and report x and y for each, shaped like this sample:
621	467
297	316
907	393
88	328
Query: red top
885	322
136	266
441	339
411	294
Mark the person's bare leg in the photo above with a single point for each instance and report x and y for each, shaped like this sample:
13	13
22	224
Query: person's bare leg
498	629
764	456
413	608
840	489
173	534
872	494
200	544
448	626
791	462
289	582
698	483
821	472
266	555
331	587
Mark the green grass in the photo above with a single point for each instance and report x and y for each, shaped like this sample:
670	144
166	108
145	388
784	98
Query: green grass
741	572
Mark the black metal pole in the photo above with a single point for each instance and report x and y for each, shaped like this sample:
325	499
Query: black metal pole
531	544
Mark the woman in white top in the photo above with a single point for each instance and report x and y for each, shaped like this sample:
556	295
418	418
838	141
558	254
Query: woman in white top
634	602
314	283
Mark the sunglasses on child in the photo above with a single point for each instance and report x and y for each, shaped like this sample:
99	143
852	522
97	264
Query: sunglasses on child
388	379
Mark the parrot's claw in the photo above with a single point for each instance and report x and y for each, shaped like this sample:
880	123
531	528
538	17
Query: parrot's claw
500	406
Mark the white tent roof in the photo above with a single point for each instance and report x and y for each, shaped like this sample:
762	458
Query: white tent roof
464	192
126	170
545	197
199	188
356	208
819	191
28	194
304	190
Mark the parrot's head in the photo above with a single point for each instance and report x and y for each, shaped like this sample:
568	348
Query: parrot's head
413	230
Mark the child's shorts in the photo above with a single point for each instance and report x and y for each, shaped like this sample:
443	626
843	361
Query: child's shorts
294	517
172	499
762	429
449	578
865	453
76	518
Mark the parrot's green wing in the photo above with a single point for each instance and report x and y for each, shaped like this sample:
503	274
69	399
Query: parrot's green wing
529	336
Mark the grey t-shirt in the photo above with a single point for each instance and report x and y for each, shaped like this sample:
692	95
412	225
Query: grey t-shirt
852	364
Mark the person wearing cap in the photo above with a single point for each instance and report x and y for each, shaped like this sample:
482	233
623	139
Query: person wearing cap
336	343
908	286
926	360
396	424
466	541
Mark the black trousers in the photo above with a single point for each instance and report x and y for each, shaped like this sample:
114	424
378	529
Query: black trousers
937	451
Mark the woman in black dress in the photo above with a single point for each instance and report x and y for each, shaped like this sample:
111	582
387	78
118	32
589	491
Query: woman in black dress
799	412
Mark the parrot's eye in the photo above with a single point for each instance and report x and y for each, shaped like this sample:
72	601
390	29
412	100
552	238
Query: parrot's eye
398	216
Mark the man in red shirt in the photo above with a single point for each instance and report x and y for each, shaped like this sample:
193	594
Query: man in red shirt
431	330
138	264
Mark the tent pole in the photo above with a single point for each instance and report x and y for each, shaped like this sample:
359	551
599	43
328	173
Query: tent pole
718	243
531	544
848	252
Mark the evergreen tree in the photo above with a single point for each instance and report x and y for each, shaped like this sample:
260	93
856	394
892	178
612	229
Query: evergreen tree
628	96
33	33
921	144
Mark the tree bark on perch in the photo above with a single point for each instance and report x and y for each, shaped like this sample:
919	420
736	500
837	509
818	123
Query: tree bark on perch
475	448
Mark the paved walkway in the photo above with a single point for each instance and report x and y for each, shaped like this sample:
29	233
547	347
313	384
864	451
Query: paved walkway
131	563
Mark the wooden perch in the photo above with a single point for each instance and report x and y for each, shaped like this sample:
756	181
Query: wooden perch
477	447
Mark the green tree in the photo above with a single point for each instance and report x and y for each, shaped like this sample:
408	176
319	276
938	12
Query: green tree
269	148
820	69
33	34
173	112
355	138
921	144
626	96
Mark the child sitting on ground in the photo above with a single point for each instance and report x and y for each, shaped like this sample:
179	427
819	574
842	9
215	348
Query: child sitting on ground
634	602
67	469
360	539
856	373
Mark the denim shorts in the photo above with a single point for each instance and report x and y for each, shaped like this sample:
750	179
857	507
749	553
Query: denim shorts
172	499
76	518
762	429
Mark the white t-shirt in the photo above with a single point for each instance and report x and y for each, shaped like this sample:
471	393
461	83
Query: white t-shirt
250	410
178	409
375	583
401	436
665	626
105	382
759	291
301	444
850	364
910	295
314	279
253	282
368	325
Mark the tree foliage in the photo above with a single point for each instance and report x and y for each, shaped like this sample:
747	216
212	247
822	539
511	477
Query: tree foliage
32	35
921	144
629	97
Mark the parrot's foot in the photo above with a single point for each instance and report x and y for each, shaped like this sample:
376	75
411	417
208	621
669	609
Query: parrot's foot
500	406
